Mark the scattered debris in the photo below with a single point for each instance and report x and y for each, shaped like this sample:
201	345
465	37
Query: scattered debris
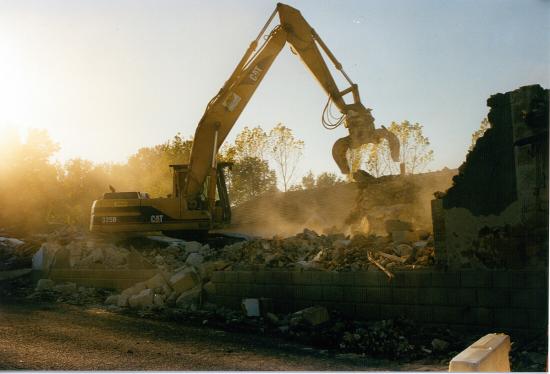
251	307
314	316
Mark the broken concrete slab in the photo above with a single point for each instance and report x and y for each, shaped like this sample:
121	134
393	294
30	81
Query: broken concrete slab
122	300
189	297
192	247
157	281
141	300
490	353
112	300
194	259
184	280
314	315
251	307
135	289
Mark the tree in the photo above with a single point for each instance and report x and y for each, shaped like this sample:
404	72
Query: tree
285	151
327	179
29	187
252	143
414	151
250	177
308	181
483	127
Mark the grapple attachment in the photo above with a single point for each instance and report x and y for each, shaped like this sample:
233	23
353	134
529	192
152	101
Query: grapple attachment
360	124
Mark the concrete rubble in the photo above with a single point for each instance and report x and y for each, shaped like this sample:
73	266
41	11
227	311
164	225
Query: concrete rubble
15	253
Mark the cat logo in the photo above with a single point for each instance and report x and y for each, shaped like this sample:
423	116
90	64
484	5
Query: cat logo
255	74
157	218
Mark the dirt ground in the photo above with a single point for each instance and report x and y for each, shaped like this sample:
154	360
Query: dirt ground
44	336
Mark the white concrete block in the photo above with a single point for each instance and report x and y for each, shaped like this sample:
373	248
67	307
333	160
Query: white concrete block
488	354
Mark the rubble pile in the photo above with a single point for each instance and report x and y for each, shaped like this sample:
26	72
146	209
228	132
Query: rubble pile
402	249
184	269
81	250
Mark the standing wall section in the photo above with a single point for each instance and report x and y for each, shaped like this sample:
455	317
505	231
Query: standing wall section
507	301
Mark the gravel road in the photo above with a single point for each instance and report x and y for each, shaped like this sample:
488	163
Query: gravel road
43	336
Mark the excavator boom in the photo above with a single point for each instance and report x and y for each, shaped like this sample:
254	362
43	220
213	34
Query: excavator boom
225	108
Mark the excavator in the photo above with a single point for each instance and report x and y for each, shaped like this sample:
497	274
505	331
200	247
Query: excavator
199	201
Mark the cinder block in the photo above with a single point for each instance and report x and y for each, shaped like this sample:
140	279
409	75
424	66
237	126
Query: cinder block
231	277
257	290
538	318
367	279
424	297
501	278
316	277
445	279
493	297
536	279
288	292
511	318
313	293
374	296
245	277
326	278
347	309
420	313
270	290
259	277
488	354
333	293
368	311
388	311
281	277
528	298
477	317
302	277
447	314
420	279
355	294
517	278
400	279
407	296
475	278
384	281
221	289
440	296
344	279
218	276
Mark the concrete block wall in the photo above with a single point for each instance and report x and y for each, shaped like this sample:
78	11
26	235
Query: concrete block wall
508	300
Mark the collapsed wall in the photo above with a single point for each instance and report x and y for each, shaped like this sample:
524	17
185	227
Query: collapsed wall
495	215
363	206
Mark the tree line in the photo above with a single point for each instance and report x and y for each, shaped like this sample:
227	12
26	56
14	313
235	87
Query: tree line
35	191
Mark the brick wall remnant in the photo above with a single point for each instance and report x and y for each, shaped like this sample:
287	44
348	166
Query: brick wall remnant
496	213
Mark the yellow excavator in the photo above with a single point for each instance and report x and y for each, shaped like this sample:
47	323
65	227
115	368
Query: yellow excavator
200	201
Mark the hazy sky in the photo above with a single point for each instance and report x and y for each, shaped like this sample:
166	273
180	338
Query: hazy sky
108	77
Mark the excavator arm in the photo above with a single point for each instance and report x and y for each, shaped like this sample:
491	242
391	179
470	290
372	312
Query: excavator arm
225	108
